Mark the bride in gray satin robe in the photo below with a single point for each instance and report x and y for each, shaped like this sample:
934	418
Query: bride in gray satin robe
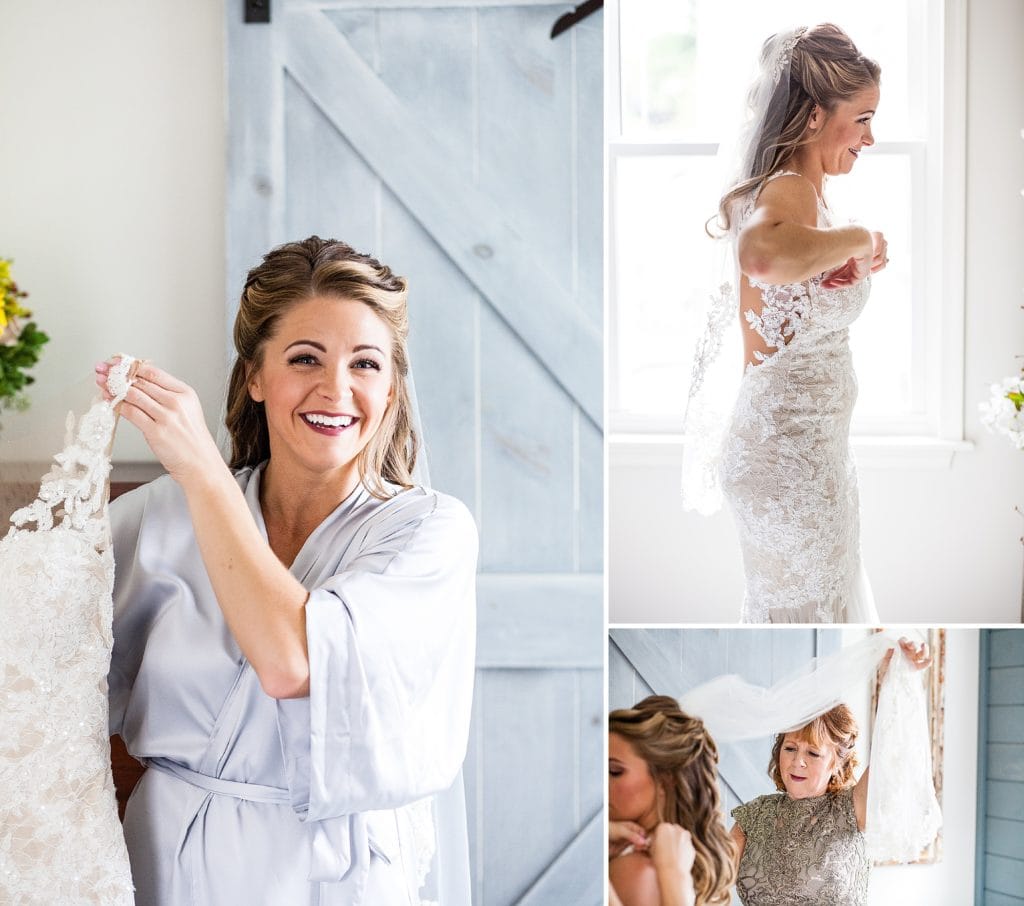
294	639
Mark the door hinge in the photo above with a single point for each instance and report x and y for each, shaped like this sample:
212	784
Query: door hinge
257	10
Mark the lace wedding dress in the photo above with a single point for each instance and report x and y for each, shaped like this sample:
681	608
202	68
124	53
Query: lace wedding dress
60	839
786	468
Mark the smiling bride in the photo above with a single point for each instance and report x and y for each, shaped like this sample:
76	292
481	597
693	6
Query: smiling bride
294	633
783	459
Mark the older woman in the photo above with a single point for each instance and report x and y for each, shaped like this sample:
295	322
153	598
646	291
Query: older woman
668	845
784	465
294	633
805	844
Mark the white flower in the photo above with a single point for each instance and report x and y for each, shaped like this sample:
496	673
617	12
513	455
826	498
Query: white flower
1000	414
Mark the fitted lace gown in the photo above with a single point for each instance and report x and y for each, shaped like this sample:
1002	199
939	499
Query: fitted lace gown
787	469
60	840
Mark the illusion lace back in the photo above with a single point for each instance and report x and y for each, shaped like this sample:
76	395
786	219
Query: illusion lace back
60	839
802	852
786	468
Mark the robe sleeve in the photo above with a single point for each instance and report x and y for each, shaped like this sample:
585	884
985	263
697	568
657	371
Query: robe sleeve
126	515
391	652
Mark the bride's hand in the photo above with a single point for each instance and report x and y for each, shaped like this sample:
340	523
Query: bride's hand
879	252
853	271
672	847
625	833
673	855
169	415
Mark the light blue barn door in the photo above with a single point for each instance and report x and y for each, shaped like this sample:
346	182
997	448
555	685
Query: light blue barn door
643	662
463	147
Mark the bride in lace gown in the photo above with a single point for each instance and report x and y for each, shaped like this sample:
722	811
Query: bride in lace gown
784	462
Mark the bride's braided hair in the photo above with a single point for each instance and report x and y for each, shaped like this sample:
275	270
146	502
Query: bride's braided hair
825	68
683	761
293	273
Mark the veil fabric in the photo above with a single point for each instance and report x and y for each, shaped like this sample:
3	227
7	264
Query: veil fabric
903	813
716	374
445	879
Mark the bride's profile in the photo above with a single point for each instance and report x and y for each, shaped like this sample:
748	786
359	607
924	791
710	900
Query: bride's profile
782	458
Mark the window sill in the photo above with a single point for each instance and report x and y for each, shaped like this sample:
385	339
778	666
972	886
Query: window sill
872	453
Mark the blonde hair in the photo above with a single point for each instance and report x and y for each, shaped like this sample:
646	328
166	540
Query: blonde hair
825	68
294	273
836	729
683	761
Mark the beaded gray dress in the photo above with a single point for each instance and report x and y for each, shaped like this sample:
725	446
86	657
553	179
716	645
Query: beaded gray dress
802	852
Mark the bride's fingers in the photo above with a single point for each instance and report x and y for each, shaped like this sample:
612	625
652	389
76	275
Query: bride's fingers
157	392
162	378
135	416
139	399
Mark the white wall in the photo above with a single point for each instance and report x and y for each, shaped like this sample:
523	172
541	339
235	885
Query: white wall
112	173
940	545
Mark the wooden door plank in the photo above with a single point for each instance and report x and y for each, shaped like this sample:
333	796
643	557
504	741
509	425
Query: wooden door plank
468	225
445	362
255	171
1006	723
1006	648
518	709
577	874
539	621
527	509
1006	761
1006	686
332	192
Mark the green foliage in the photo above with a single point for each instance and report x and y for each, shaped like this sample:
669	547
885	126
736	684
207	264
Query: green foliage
20	344
18	357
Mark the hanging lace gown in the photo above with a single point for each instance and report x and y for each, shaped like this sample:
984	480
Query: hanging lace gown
787	470
60	839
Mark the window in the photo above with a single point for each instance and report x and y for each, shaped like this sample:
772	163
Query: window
681	74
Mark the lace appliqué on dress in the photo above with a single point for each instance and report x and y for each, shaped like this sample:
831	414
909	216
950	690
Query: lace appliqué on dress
60	840
424	837
783	310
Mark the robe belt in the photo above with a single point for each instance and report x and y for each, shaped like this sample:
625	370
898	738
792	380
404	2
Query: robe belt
238	789
336	844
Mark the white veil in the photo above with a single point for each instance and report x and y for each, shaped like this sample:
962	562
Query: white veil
716	367
903	813
445	879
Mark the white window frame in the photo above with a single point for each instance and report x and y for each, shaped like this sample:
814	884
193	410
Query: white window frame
927	439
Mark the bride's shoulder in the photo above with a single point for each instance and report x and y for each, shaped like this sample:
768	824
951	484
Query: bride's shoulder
787	197
634	879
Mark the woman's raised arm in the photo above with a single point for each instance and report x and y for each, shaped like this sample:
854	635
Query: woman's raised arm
262	602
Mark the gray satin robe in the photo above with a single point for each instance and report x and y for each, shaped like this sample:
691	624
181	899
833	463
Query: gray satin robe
252	800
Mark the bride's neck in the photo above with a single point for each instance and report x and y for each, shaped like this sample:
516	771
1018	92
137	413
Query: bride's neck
808	168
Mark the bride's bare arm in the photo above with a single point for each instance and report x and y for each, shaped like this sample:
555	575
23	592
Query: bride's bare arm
781	243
